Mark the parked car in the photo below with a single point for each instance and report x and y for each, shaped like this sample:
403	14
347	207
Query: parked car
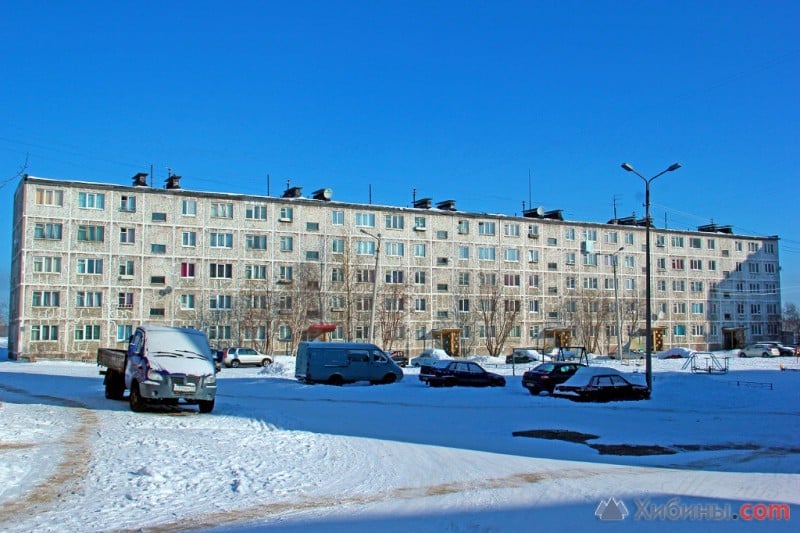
600	384
676	353
467	373
782	349
236	357
523	355
759	349
429	357
399	357
547	375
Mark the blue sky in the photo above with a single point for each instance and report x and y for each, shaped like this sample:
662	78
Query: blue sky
456	100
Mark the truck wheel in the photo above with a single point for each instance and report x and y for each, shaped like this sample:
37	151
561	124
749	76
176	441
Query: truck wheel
138	403
206	406
235	363
115	386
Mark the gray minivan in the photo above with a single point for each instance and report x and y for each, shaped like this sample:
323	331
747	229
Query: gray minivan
338	363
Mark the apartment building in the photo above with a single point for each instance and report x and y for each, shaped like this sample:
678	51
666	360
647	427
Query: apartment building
90	261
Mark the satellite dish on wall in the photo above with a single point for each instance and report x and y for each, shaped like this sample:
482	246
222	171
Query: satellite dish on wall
166	290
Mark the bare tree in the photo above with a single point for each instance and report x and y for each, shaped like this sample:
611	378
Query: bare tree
391	313
591	311
499	314
465	317
298	302
791	320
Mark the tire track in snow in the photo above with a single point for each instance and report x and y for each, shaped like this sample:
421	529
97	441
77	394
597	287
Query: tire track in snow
246	516
67	474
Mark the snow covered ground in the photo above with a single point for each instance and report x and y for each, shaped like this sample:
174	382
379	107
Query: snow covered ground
278	455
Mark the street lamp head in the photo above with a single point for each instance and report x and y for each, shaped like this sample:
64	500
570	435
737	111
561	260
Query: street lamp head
674	166
628	167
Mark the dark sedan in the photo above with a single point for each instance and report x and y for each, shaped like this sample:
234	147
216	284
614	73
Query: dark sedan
599	384
466	373
546	376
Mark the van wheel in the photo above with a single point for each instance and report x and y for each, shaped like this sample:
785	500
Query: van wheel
388	379
205	406
138	404
336	379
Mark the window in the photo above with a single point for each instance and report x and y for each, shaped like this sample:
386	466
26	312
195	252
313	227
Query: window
87	333
220	240
420	250
159	217
90	266
679	330
44	332
629	238
678	285
511	280
187	270
337	274
441	287
552	241
590	283
590	235
187	302
696	286
219	332
487	278
678	264
677	242
463	252
158	280
285	274
630	284
695	264
712	264
419	304
533	256
570	258
127	204
365	275
158	248
697	308
395	276
255	242
395	222
463	305
284	333
220	270
88	299
126	269
661	241
695	242
124	332
570	282
486	228
679	308
441	234
91	233
91	200
511	255
590	259
420	223
286	243
220	302
365	247
533	281
661	263
51	197
255	271
312	255
569	234
125	300
662	285
189	238
533	306
420	277
463	227
365	220
711	244
394	304
286	214
255	212
463	279
127	235
337	246
511	230
698	330
45	299
337	218
486	253
312	226
221	210
47	265
189	208
442	261
396	249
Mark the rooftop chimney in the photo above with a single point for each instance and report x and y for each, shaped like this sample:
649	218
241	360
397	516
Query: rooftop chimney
140	180
447	205
422	203
173	182
293	192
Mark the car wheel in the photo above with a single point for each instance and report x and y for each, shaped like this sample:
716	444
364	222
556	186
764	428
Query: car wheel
205	406
535	391
742	354
765	354
266	362
235	363
138	403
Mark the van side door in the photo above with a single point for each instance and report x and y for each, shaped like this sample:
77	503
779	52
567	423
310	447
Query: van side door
358	365
135	362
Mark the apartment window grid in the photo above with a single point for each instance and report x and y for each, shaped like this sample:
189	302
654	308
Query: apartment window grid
189	208
47	265
45	299
91	200
49	197
127	235
88	299
255	212
189	239
91	233
87	333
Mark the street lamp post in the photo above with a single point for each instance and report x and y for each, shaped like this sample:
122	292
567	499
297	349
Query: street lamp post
614	258
648	300
374	284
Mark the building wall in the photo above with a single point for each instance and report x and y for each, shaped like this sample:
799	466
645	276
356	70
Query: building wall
702	282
